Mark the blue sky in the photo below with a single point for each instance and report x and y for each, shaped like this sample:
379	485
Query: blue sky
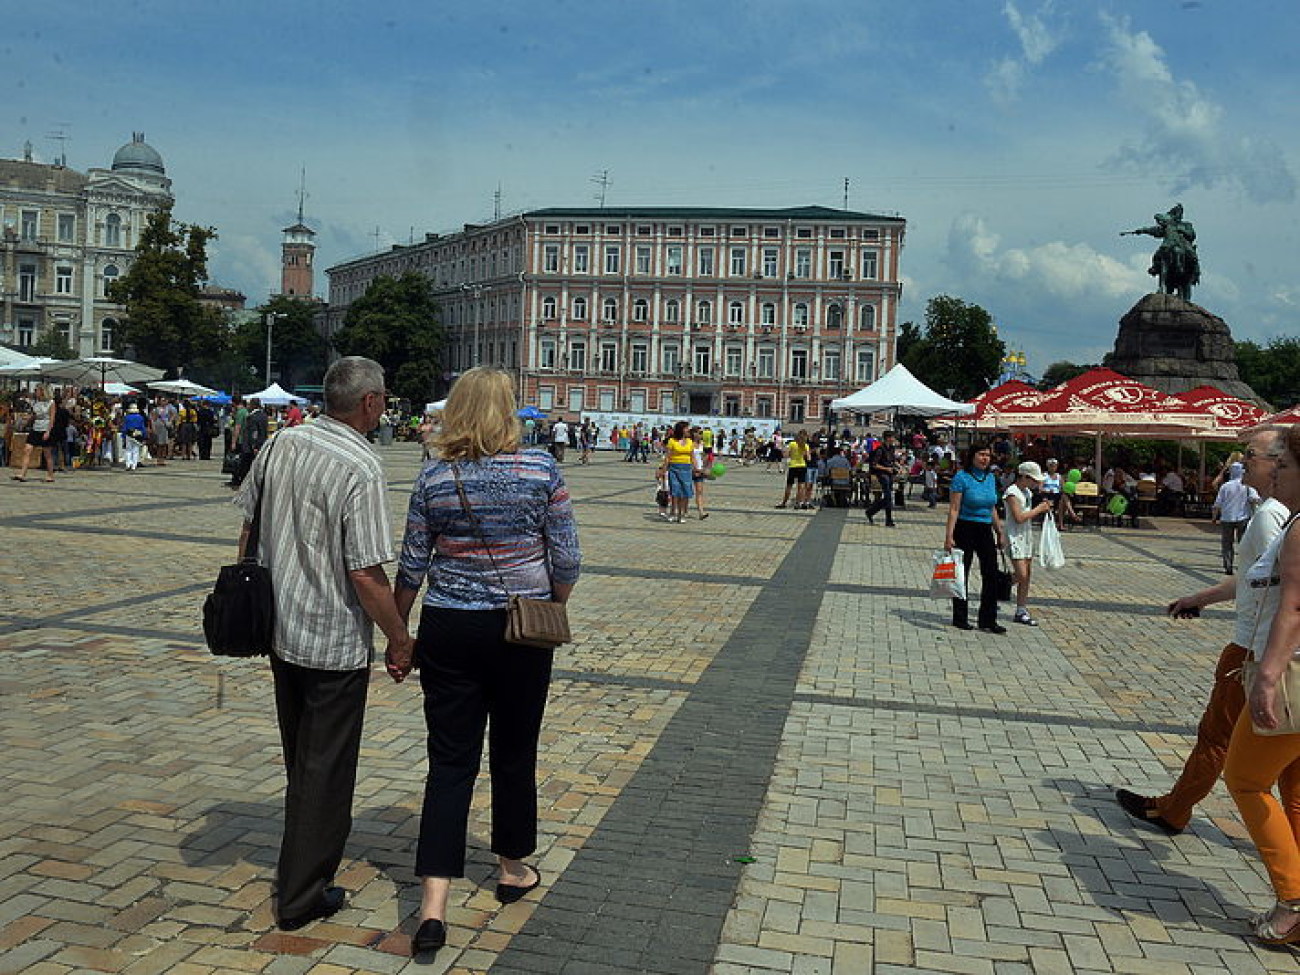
1017	138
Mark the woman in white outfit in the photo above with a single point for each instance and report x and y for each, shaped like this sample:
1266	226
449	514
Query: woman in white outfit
1019	522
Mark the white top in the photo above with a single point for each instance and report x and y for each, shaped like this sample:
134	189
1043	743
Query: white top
1018	529
560	432
1268	520
1235	500
1173	481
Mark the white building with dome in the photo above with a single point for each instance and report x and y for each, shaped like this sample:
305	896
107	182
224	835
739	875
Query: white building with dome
65	236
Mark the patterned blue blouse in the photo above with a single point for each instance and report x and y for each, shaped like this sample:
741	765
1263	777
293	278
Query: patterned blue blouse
514	497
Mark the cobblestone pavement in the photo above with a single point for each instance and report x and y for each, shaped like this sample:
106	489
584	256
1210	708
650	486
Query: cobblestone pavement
765	753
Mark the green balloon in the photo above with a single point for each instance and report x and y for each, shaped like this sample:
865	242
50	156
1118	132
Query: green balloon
719	469
1068	486
1074	475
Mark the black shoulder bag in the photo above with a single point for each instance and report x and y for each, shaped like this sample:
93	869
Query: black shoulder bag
239	613
541	623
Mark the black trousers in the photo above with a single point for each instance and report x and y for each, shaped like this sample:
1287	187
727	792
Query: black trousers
884	500
320	714
975	538
472	680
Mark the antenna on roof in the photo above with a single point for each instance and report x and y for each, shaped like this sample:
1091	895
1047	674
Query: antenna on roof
60	136
846	192
601	179
496	204
302	191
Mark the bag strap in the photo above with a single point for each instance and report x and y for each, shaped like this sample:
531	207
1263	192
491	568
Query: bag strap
478	529
251	548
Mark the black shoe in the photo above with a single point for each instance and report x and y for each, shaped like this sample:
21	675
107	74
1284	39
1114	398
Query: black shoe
332	901
1141	808
429	936
995	628
871	519
509	893
962	626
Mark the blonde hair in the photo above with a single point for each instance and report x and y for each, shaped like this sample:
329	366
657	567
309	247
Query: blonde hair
480	418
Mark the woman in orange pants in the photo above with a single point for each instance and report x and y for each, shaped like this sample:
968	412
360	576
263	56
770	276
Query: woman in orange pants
1256	762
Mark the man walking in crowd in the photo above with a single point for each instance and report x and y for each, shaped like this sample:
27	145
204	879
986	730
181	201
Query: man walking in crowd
1232	507
882	469
559	439
325	535
1173	811
252	435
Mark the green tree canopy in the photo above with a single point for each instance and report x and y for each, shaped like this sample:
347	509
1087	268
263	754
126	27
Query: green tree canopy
959	349
298	350
1061	372
166	324
1273	370
396	323
53	345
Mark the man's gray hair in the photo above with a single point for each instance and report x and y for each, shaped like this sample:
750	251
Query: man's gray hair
348	381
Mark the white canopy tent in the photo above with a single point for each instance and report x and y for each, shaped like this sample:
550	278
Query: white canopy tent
900	392
274	395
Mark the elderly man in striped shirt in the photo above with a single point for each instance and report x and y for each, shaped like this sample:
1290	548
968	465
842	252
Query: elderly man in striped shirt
325	535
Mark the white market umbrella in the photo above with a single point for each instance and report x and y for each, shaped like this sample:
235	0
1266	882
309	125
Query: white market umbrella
101	370
275	395
119	389
182	387
435	406
12	357
27	370
898	390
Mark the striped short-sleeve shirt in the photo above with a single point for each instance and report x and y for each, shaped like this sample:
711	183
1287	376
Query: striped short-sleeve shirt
325	514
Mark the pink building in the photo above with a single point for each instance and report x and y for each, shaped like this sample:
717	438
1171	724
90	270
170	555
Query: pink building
737	312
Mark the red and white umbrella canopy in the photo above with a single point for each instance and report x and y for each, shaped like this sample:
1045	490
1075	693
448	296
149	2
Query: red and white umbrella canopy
1229	412
1101	400
1014	394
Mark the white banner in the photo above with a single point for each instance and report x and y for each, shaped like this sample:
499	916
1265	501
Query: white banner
605	422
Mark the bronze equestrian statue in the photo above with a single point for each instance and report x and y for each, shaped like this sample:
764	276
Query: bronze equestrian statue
1175	262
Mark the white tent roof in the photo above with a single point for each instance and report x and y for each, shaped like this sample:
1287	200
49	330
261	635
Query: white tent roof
274	395
899	390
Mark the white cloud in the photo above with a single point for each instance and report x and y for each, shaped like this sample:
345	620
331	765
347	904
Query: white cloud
1037	40
1184	130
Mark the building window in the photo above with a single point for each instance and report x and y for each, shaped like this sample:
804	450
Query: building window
800	318
733	359
870	262
766	362
548	308
771	231
552	228
644	230
636	401
799	364
113	230
837	233
613	230
763	406
672	357
666	401
737	261
831	364
546	397
672	310
582	228
110	275
674	231
31	221
803	232
802	262
63	280
731	406
547	354
551	258
708	231
736	313
704	312
739	231
613	259
703	360
836	268
606	399
106	328
642	259
706	262
834	317
609	310
578	355
797	410
640	310
674	253
576	396
581	259
770	255
866	366
868	318
26	331
580	308
608	357
27	282
640	358
767	311
67	228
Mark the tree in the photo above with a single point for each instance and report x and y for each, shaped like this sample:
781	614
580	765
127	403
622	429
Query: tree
166	324
53	345
299	351
959	349
1273	371
1061	372
396	323
908	337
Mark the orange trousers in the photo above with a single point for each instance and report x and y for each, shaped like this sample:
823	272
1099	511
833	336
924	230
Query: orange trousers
1255	763
1205	762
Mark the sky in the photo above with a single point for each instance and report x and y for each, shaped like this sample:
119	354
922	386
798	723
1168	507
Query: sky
1016	138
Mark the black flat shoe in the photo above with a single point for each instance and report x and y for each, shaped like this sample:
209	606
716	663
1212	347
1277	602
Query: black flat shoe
996	628
1141	808
964	626
332	901
509	893
429	936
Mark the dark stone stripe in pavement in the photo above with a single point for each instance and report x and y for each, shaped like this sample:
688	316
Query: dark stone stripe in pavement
650	889
25	521
1139	606
62	619
631	572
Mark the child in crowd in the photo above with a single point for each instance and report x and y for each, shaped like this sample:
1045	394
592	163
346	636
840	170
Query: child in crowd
930	482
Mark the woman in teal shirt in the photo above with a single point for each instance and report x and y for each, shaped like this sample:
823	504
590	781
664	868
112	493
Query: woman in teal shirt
974	527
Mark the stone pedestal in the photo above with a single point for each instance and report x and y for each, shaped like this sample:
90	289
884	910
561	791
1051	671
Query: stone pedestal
1175	345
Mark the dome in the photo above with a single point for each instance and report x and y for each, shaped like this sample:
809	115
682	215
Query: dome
138	154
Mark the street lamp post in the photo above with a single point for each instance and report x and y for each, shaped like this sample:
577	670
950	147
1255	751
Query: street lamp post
271	316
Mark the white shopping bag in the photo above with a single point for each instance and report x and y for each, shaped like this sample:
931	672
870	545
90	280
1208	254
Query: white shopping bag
1050	553
947	577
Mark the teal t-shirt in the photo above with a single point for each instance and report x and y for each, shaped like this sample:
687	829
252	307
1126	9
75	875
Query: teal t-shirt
979	494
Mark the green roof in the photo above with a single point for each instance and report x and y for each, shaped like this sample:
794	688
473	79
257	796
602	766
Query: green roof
710	213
